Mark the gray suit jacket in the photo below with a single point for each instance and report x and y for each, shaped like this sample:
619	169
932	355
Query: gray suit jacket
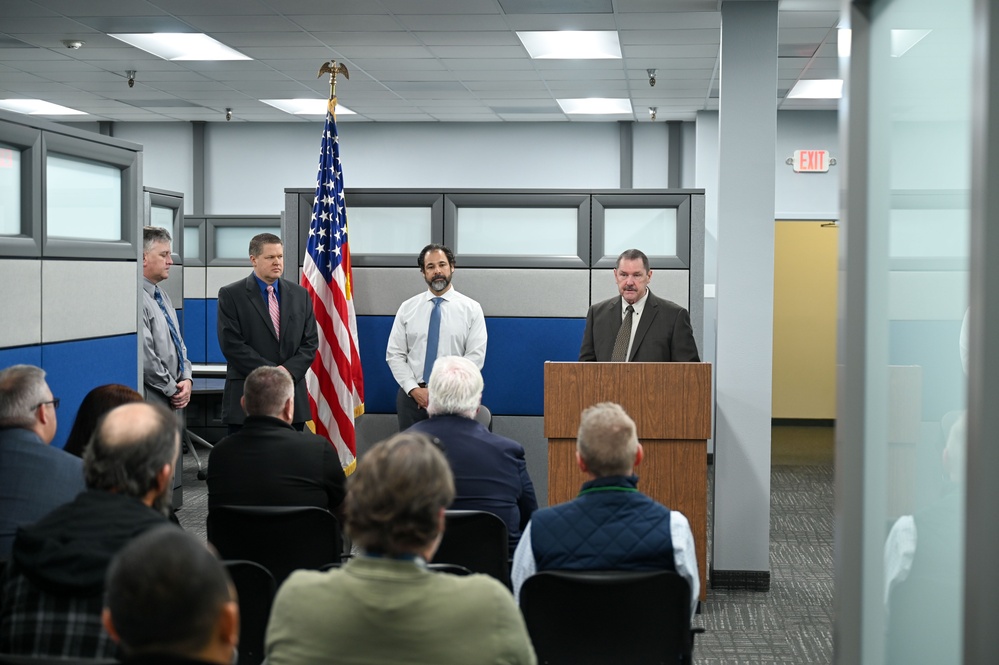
663	334
246	336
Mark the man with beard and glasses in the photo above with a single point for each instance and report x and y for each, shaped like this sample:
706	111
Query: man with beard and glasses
439	322
54	588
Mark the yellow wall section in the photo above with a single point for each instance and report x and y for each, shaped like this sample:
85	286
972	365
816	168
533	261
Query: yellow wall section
804	364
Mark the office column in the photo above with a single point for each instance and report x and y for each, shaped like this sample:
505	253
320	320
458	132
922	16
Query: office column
747	134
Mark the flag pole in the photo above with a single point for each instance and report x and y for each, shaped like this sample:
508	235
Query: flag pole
333	68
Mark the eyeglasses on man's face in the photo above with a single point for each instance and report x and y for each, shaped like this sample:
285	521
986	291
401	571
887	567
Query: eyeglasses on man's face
54	402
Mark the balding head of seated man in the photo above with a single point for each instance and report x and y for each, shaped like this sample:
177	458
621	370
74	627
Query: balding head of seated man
35	477
610	525
385	606
268	462
490	471
52	596
169	600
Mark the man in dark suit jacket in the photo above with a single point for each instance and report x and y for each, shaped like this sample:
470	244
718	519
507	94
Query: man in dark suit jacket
490	472
268	463
264	320
658	330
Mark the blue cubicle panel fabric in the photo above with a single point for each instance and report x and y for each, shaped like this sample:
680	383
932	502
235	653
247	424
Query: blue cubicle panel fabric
21	355
74	368
514	369
212	348
195	329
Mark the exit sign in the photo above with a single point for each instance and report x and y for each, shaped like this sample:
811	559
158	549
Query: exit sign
811	161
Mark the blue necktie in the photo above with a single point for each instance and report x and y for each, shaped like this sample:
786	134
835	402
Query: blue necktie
433	339
173	331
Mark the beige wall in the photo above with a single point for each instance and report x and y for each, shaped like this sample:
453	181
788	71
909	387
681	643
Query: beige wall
804	360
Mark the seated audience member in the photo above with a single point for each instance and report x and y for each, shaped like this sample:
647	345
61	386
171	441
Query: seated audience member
52	595
268	462
98	401
490	472
169	601
34	477
610	525
385	606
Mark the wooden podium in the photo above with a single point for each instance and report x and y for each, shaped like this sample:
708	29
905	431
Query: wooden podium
671	406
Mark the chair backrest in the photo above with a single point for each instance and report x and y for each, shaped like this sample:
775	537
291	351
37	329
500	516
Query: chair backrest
608	617
476	540
450	568
485	417
281	539
255	587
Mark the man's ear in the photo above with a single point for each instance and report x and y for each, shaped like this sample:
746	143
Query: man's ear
109	625
581	463
242	403
639	455
163	478
227	627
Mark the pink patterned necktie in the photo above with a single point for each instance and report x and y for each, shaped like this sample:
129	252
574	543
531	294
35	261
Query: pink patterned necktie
272	307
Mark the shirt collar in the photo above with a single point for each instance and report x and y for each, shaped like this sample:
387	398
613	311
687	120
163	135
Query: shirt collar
639	306
263	286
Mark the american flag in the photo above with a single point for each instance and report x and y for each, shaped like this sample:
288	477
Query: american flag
336	386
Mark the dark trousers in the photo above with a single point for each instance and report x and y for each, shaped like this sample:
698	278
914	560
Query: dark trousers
407	411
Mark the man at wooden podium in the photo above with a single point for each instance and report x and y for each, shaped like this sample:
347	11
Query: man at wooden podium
637	326
610	525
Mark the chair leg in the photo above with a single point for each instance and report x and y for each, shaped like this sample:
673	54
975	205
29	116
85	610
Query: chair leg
198	441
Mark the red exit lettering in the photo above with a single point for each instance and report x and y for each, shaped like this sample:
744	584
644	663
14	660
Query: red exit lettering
814	161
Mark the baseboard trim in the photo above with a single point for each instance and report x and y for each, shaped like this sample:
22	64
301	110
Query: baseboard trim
749	580
802	422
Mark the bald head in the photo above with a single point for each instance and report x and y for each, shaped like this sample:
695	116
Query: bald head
132	449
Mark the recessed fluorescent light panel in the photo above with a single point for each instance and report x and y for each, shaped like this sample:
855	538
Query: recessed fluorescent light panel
37	107
817	89
903	40
572	44
181	46
305	106
595	106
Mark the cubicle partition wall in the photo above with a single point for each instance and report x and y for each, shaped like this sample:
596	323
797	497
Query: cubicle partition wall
70	211
535	261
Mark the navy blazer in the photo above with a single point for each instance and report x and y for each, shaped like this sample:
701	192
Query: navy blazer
490	471
664	333
246	336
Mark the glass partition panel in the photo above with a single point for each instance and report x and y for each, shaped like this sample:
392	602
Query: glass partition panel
233	242
83	198
388	230
10	190
192	242
653	230
162	217
516	231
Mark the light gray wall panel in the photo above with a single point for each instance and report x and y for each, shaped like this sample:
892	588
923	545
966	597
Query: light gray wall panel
168	149
216	278
82	299
809	195
927	296
23	323
529	432
174	286
380	291
670	284
649	155
526	292
194	282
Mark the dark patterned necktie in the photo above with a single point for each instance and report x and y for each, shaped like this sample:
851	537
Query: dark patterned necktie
620	352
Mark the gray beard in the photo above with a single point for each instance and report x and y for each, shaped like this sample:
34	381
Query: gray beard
439	284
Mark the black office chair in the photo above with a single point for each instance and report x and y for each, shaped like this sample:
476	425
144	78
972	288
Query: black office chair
450	568
485	417
608	617
280	538
10	659
478	541
255	588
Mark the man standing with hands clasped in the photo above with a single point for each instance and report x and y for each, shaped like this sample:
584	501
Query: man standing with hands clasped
436	323
265	320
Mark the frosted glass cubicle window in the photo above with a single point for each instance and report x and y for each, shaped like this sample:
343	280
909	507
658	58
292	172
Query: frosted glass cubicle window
233	242
652	230
936	233
10	190
192	242
82	198
388	230
516	231
162	217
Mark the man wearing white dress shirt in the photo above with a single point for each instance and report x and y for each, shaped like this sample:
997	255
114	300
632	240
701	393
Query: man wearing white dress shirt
439	319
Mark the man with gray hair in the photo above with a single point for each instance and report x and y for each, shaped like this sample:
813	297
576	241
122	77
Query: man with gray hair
34	476
53	592
490	471
610	525
268	462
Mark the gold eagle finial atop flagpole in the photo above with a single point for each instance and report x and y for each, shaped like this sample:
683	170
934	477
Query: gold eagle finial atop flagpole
333	68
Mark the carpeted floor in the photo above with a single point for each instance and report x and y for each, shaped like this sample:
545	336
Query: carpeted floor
790	624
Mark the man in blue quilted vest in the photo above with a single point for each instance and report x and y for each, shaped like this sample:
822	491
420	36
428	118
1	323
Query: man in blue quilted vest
610	525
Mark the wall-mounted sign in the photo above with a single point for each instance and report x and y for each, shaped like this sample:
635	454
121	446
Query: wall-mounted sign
811	161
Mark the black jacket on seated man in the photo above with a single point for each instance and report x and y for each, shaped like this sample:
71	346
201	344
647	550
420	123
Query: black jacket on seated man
270	463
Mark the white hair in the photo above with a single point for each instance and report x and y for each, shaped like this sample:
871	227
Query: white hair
455	387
